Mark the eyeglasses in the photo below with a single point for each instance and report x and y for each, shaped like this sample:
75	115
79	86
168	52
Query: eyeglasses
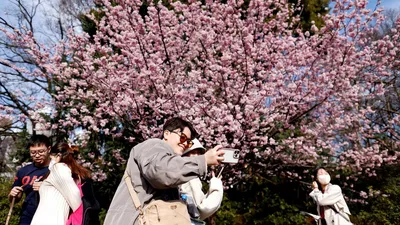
40	152
183	138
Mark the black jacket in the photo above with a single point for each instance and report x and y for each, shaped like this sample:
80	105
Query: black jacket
91	207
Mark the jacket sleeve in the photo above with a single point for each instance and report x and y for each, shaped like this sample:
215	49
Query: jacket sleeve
213	199
333	195
17	179
196	191
17	183
164	170
61	179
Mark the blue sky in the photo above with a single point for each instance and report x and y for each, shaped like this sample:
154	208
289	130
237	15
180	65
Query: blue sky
6	5
387	3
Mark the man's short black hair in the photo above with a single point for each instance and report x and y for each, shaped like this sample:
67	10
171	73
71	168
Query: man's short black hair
179	123
37	140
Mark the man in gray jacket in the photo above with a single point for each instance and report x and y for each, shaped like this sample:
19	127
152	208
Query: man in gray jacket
157	169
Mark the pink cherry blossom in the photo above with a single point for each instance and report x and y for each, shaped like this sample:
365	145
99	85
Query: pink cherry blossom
245	77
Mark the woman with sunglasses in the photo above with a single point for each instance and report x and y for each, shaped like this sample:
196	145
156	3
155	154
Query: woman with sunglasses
156	169
59	191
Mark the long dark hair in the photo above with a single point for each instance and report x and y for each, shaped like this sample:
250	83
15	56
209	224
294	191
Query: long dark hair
67	157
316	176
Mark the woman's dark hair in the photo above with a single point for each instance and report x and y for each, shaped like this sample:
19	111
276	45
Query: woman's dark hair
316	176
179	123
67	157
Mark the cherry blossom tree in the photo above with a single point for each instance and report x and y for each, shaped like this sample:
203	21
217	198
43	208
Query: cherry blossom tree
30	33
243	72
20	84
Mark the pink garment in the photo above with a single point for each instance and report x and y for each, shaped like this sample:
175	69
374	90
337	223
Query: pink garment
76	217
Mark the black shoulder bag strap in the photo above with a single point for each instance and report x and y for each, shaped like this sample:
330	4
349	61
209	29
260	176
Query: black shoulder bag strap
334	209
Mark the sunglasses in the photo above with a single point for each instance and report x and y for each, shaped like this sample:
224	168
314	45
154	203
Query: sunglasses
183	138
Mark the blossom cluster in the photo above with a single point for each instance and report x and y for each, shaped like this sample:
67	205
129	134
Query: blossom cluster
245	75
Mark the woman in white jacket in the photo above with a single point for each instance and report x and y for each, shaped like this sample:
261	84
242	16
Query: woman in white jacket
331	205
207	204
59	192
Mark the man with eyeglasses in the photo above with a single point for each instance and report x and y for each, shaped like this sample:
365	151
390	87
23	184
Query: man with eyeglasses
156	169
39	149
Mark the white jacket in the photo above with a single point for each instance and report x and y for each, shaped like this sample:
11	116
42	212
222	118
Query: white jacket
58	193
332	197
209	203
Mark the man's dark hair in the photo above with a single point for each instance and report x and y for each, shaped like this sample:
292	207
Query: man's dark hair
178	123
37	140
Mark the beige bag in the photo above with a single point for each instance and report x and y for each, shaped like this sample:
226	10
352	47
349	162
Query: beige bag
159	212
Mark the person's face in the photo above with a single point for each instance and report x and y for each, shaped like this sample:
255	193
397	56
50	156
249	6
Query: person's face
322	172
194	153
39	154
173	138
323	177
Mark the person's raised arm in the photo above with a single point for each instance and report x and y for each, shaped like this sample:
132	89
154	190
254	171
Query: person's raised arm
163	169
213	199
328	198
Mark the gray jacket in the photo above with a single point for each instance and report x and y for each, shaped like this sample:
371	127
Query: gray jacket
155	170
